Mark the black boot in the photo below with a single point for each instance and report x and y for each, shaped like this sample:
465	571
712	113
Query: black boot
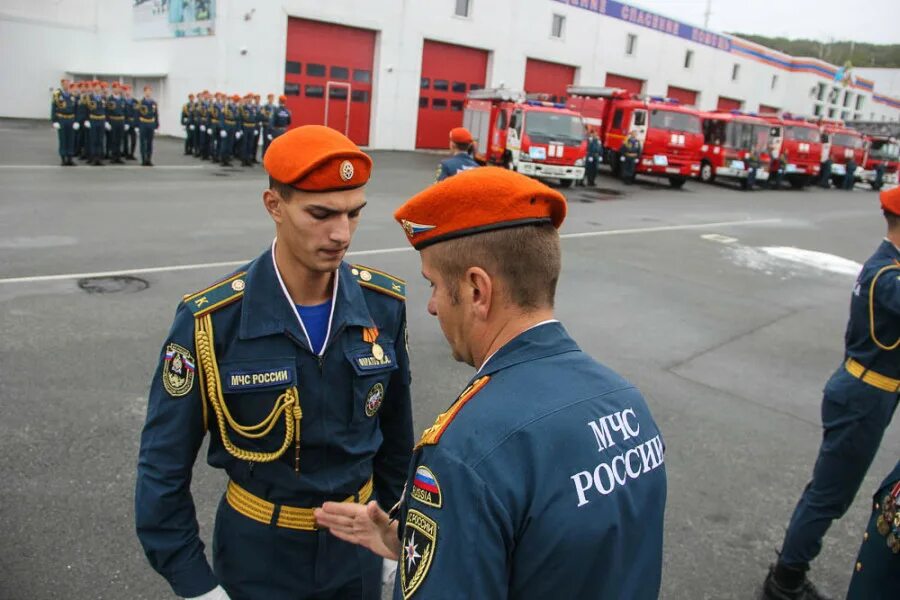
63	162
789	583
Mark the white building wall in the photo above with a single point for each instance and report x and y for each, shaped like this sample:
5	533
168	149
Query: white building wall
42	40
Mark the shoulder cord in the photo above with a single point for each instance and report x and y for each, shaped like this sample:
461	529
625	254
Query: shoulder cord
878	343
287	403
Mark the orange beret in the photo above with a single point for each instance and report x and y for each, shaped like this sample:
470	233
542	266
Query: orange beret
315	158
460	135
236	98
890	200
283	98
475	201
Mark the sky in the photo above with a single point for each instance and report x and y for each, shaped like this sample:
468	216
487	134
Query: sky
874	21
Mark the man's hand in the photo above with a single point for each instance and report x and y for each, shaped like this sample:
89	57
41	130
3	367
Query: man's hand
217	593
362	524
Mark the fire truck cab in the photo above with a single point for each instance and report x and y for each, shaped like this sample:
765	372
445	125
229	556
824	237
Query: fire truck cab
845	144
669	133
884	150
729	138
536	138
801	143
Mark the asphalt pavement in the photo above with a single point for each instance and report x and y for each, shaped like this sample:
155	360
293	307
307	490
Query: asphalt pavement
689	293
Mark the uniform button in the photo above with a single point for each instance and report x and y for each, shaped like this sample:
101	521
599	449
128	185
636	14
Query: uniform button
858	567
865	536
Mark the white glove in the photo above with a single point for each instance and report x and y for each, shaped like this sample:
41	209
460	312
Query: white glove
217	593
108	126
191	127
223	134
203	128
87	124
238	135
56	126
76	125
127	126
269	136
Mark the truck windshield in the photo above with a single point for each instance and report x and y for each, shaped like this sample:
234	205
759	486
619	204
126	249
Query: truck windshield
884	150
802	134
546	126
846	140
674	121
747	136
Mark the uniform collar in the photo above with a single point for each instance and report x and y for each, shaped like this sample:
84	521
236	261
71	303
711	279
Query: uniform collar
466	154
266	311
890	249
545	339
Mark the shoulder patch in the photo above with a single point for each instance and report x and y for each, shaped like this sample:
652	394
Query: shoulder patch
379	281
420	534
432	435
217	295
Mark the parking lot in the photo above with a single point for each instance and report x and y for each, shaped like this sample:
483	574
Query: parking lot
726	308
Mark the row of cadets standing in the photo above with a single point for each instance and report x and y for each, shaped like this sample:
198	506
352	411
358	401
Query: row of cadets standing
219	127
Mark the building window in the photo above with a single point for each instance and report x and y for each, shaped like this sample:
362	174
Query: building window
832	112
688	59
339	73
315	91
631	44
774	81
438	104
292	67
456	105
833	95
820	91
857	117
475	86
424	83
459	87
559	26
462	8
735	71
423	102
845	115
359	96
441	85
337	93
315	70
848	96
817	110
859	101
291	89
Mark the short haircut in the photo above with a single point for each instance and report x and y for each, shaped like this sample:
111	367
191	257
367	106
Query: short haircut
526	259
462	146
893	220
283	189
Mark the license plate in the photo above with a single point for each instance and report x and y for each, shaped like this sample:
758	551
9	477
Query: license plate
537	152
673	170
660	160
791	168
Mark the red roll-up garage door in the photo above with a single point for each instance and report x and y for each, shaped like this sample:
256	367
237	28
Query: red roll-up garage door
765	108
328	68
449	72
635	86
729	104
542	77
684	96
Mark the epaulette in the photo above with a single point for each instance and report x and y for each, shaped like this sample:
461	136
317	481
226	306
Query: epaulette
433	434
217	295
379	281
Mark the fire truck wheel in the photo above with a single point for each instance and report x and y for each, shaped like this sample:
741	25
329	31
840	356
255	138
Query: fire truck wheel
677	182
564	183
706	173
797	184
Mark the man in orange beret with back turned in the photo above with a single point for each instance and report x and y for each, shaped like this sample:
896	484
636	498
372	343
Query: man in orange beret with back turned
296	365
460	143
857	406
545	478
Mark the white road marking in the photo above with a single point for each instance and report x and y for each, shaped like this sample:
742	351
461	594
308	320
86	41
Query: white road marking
236	263
111	167
717	237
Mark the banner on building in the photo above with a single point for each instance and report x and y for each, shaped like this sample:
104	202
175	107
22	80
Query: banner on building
173	18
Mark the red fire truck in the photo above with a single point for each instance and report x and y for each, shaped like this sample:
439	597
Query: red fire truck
845	144
536	138
728	139
884	150
801	143
670	134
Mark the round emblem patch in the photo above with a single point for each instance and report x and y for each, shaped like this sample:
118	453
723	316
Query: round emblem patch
237	285
346	170
374	399
178	370
365	276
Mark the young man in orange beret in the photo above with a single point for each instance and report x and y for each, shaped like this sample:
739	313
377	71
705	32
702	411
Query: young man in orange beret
460	145
857	406
297	367
546	477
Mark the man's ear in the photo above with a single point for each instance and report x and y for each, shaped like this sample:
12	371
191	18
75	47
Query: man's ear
274	205
479	286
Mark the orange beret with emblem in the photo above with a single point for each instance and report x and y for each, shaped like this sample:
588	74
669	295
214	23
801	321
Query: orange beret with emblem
475	201
315	158
890	200
460	135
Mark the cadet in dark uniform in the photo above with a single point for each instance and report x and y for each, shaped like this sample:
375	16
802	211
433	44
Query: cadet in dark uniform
592	159
546	477
96	124
876	575
460	145
203	125
631	154
115	116
248	122
187	110
297	367
879	177
859	401
265	121
849	175
81	115
255	144
131	123
62	115
281	119
753	164
229	128
148	119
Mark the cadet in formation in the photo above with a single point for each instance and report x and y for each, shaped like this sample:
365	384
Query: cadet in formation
859	401
296	367
62	116
631	154
148	122
593	158
545	478
460	147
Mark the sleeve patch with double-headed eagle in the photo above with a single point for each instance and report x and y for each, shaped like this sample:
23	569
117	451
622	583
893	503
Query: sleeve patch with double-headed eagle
379	281
216	296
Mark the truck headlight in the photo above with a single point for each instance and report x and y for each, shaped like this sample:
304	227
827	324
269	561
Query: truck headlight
524	157
579	162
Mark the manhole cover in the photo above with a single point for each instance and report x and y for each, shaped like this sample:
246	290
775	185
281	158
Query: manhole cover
112	285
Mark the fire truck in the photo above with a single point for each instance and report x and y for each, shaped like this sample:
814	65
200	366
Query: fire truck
670	134
884	150
801	143
845	144
536	138
728	139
